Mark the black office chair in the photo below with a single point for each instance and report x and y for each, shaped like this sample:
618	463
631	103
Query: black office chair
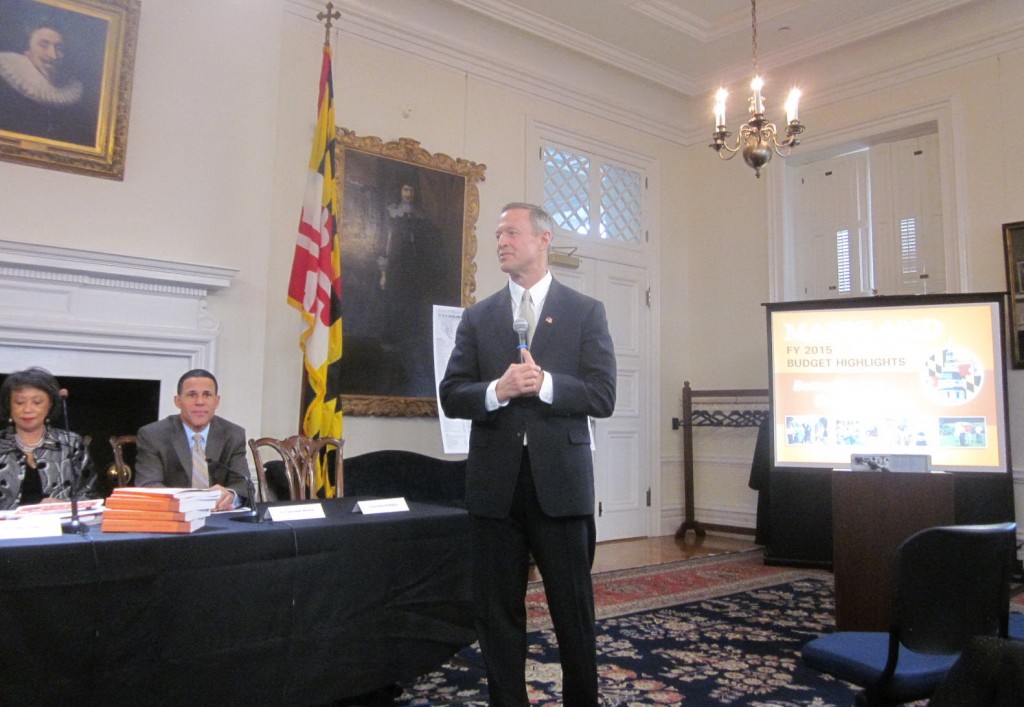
950	583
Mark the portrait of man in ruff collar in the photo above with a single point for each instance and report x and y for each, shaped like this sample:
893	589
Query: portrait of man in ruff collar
51	62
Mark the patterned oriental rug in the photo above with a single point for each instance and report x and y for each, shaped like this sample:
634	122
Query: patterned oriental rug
723	630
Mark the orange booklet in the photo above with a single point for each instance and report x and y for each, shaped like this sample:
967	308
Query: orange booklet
115	525
162	499
133	514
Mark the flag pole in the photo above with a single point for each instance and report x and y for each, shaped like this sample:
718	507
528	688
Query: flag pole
314	287
326	17
330	14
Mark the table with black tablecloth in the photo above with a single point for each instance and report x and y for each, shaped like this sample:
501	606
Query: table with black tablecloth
276	613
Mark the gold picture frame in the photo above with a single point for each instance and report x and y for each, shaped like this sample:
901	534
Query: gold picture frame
1013	255
408	241
66	82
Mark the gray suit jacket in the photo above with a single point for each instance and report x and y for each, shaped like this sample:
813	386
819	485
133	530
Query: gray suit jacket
572	344
164	455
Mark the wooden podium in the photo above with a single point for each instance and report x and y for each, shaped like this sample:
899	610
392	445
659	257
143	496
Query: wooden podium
872	513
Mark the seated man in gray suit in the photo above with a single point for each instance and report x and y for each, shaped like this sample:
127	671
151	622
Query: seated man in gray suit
195	448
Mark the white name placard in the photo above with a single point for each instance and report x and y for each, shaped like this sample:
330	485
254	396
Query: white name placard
300	511
42	526
381	505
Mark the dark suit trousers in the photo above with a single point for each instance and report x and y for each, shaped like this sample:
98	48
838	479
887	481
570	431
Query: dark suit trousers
563	549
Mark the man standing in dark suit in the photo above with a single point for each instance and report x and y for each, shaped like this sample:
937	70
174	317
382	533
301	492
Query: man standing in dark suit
530	474
195	448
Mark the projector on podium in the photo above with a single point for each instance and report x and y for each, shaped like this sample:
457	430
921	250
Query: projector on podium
921	463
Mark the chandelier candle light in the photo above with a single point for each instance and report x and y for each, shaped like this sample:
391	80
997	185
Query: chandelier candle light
758	138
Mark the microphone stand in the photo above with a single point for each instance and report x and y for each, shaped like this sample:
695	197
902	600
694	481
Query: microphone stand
253	516
74	526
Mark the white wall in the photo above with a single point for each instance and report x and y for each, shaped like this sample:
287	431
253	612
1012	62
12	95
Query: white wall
389	94
198	176
725	339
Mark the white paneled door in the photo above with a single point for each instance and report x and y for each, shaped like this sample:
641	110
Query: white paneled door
621	458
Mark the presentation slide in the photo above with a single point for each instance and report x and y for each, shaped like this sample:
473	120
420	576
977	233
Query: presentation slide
914	379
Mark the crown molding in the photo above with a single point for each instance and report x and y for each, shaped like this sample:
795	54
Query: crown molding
528	72
655	103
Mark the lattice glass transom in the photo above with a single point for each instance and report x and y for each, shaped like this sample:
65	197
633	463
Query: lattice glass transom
566	196
620	204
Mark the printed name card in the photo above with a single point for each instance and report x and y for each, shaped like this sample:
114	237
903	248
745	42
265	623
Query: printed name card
381	505
42	526
300	511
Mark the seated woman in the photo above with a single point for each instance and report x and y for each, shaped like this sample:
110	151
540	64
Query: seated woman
36	460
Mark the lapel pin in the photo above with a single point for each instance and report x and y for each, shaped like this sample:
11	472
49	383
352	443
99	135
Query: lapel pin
549	320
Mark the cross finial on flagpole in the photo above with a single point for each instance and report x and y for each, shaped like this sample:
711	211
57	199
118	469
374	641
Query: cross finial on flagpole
330	14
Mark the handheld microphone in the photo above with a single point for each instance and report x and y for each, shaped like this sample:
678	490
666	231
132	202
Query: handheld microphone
74	526
521	326
253	516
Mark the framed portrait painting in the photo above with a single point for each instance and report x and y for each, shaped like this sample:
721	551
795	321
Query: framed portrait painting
65	83
408	242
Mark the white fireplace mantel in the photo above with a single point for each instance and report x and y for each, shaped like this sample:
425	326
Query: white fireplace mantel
83	313
41	262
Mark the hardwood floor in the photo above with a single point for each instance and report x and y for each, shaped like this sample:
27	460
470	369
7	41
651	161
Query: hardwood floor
641	552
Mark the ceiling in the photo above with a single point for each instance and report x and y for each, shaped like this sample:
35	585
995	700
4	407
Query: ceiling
690	45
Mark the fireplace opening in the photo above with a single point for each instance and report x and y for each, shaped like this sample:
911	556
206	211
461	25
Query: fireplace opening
101	408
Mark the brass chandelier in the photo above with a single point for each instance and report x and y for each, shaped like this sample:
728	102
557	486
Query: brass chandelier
758	138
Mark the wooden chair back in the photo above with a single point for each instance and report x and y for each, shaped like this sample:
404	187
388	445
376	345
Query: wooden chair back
300	456
120	472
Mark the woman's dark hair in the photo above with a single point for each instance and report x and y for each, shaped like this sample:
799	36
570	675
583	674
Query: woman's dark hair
38	378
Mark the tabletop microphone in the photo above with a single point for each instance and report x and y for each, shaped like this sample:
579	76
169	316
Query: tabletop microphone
521	326
74	526
253	516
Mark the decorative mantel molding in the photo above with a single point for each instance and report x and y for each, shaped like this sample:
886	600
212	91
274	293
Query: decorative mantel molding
83	313
41	262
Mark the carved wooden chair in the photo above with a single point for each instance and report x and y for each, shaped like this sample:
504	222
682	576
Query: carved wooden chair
120	472
299	456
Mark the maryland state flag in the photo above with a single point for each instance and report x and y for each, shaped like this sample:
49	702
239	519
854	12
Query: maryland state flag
315	285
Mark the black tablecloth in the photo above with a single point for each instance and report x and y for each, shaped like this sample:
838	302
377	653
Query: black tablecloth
293	613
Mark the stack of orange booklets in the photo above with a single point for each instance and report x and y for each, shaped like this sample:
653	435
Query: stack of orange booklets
158	510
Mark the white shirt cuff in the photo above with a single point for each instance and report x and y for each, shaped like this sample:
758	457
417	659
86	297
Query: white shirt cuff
491	398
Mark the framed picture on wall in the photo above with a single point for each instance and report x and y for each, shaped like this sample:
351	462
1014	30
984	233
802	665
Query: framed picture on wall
408	242
65	83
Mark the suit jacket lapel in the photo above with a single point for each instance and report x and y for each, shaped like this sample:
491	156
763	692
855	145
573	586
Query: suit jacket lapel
500	320
182	446
214	439
548	317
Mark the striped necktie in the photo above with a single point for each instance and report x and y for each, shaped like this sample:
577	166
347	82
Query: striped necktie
200	472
